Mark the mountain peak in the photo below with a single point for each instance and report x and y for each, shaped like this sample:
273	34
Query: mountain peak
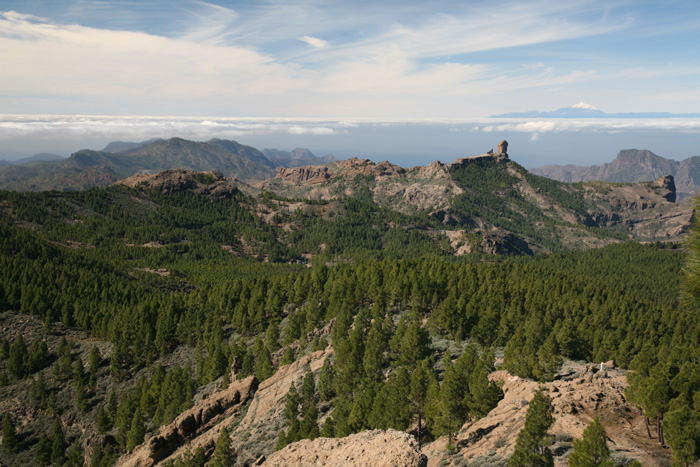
584	106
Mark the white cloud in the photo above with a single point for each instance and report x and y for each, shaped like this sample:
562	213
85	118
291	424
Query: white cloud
538	127
314	42
256	60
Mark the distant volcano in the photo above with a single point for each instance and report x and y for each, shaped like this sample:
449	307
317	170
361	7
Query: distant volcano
583	110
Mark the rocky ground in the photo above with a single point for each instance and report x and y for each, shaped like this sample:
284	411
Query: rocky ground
376	448
580	393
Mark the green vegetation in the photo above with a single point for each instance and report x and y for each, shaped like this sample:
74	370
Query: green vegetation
491	195
143	279
532	446
592	450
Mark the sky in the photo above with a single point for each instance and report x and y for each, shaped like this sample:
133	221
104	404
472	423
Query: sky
336	76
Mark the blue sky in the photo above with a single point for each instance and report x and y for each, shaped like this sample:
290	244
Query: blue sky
347	59
381	61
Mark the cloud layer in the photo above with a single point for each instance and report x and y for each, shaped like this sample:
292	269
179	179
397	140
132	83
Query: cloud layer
52	127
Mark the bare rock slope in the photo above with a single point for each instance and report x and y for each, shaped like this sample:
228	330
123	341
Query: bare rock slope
584	392
376	448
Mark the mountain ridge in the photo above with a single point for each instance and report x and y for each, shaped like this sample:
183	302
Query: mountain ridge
90	168
630	166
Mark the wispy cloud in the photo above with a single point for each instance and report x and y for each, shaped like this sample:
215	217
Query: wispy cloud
314	42
299	58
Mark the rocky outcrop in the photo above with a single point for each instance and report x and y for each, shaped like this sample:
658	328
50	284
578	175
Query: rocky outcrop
210	184
200	423
406	190
643	211
308	174
666	183
256	434
374	448
500	156
582	392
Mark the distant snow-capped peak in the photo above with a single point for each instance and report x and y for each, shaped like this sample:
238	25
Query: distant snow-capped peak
584	106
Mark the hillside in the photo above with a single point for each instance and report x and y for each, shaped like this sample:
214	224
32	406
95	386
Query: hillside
631	166
140	320
495	198
88	168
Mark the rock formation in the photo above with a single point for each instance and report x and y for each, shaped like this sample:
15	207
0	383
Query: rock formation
374	448
202	422
210	184
257	432
667	183
581	393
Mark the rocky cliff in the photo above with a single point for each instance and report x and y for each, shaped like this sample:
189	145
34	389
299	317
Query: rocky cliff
631	166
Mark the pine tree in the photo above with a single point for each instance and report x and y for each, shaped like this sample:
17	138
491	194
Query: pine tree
18	356
328	430
326	378
531	447
421	379
136	432
79	384
95	359
548	359
115	363
4	349
483	394
224	455
112	406
263	363
9	435
592	450
43	450
103	422
682	431
58	443
74	455
288	356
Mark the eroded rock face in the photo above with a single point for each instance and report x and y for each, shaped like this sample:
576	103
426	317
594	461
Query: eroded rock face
667	183
200	423
503	147
257	432
308	174
374	448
